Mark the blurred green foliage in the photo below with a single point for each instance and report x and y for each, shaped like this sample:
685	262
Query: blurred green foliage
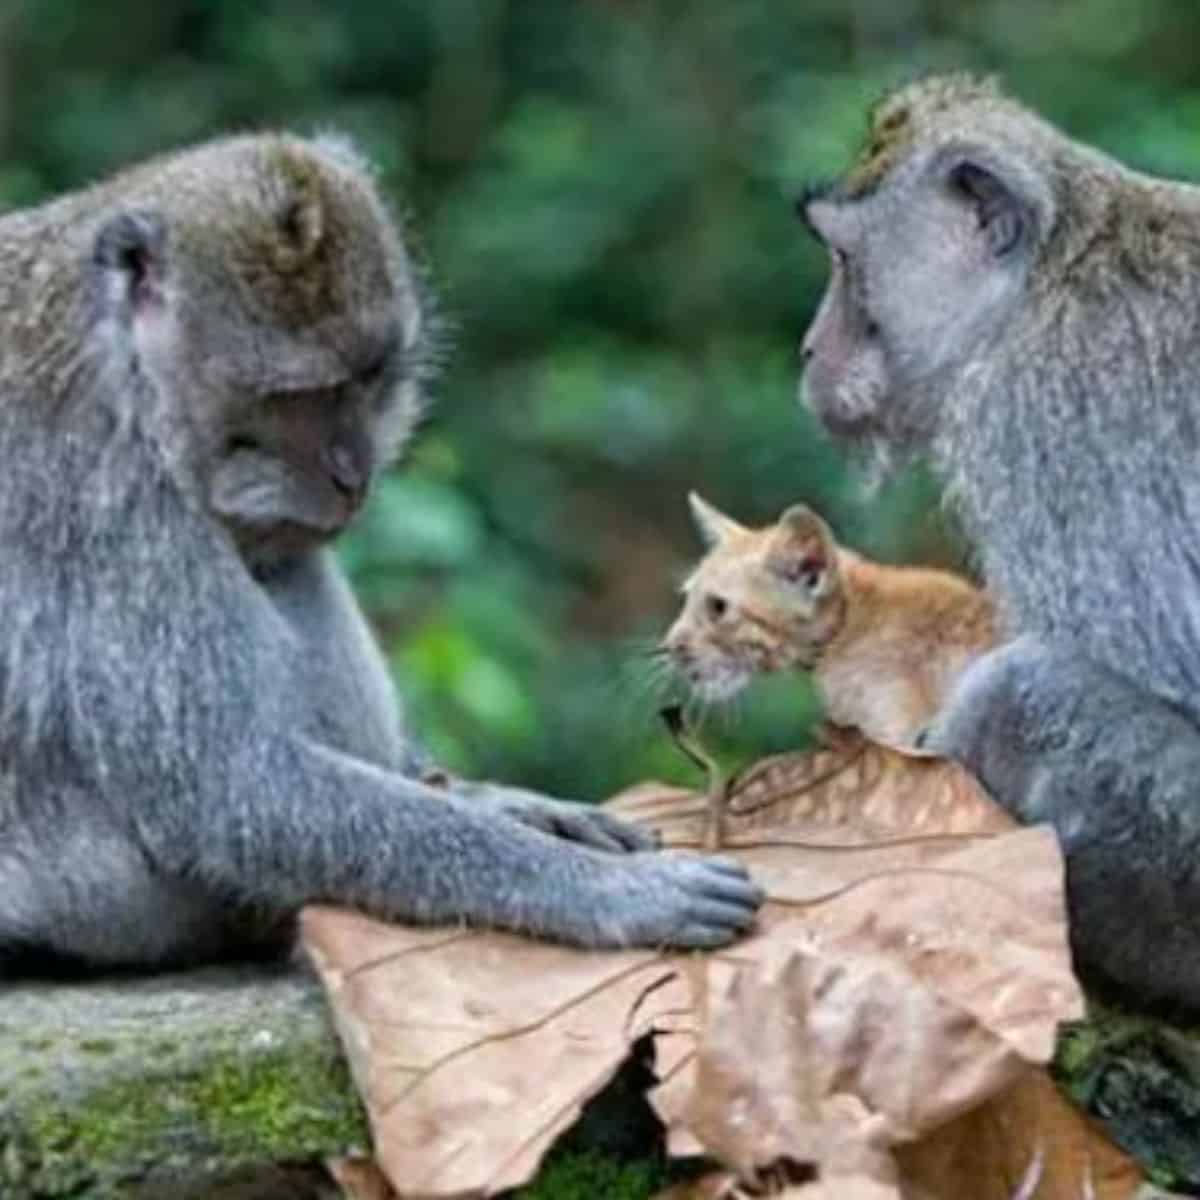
604	190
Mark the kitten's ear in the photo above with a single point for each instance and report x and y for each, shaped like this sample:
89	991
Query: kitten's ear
804	550
713	525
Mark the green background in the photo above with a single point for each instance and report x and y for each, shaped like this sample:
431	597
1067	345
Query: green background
604	191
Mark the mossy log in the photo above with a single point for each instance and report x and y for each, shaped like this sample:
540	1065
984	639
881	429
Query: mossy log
128	1088
124	1088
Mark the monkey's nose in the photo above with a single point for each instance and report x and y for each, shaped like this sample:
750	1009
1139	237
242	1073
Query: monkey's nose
348	470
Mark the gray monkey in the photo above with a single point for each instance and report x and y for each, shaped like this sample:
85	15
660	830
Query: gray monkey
203	362
1026	309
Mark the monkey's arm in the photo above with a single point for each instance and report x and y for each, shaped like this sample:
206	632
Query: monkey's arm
324	826
1116	772
356	709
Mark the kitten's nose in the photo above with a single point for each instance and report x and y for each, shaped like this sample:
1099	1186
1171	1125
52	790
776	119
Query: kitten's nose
676	646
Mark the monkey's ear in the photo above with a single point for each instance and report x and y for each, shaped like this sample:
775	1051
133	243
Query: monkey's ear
130	253
301	223
1004	218
804	551
299	211
712	524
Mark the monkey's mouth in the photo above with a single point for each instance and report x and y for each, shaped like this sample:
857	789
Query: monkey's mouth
849	419
848	424
329	517
856	427
343	511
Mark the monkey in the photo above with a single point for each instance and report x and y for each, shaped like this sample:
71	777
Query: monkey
204	362
1023	310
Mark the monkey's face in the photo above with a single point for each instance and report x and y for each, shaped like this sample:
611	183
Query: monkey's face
292	470
273	332
928	264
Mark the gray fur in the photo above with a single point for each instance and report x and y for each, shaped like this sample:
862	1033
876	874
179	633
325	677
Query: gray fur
197	731
1059	740
1057	392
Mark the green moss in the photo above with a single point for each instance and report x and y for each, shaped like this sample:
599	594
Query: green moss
267	1107
268	1101
1077	1044
1141	1077
587	1175
33	1045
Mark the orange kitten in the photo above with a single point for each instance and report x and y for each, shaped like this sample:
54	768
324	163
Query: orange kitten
884	644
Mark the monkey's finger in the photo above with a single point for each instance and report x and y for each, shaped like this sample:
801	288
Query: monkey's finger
723	884
628	837
697	936
725	864
599	830
580	828
715	912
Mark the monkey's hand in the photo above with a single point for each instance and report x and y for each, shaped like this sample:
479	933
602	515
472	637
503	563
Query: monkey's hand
586	824
667	900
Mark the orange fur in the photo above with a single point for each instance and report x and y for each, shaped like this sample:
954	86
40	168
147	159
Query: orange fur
884	644
908	634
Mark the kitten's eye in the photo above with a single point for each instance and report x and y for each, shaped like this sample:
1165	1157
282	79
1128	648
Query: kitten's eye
715	606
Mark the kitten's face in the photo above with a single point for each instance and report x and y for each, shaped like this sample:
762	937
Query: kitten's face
760	600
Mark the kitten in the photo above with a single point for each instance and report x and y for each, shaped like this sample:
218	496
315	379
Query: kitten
884	644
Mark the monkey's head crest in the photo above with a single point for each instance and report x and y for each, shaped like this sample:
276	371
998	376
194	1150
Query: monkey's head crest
299	216
900	116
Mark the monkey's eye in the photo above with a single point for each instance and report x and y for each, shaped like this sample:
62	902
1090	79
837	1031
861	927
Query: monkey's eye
241	441
373	371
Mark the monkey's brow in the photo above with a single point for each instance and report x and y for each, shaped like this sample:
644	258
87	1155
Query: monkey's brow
826	190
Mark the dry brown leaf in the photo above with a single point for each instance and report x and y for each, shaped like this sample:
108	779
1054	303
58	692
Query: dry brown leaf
723	1185
716	1185
830	1061
1028	1137
474	1051
911	960
850	1187
901	979
1028	1143
856	793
